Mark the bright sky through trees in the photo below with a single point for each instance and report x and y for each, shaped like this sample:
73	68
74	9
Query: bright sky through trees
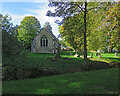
18	10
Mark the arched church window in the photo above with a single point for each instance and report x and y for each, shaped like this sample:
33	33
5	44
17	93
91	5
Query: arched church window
44	41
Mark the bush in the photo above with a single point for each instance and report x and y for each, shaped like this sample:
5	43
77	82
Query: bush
14	68
14	58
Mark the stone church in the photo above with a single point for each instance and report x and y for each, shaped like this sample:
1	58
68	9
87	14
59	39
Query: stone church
45	41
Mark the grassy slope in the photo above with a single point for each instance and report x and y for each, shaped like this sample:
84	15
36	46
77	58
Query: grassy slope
92	82
62	65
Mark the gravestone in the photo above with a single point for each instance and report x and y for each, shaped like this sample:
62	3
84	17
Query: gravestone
76	55
45	57
70	54
116	54
40	57
58	52
96	54
100	55
91	55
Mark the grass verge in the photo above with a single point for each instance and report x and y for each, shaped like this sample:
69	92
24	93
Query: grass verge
77	83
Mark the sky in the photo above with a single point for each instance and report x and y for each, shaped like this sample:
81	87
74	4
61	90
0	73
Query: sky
18	10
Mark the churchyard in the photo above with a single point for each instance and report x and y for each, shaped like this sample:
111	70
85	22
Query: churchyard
32	59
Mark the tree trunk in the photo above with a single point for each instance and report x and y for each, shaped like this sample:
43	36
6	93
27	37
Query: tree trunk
118	29
29	47
110	49
85	47
58	52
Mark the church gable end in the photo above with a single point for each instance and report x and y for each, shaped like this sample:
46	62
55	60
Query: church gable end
45	42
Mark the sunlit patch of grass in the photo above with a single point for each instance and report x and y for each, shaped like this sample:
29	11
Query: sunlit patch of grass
75	84
99	59
106	57
63	80
42	91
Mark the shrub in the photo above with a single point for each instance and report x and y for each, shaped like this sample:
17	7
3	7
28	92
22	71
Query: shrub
14	58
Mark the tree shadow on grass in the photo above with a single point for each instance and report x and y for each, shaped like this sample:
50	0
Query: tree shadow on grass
93	65
97	65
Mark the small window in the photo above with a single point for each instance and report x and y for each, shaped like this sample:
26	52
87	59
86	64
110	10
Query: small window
44	41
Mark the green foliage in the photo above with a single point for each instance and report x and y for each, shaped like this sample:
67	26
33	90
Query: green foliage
72	31
76	8
105	33
28	29
112	19
10	45
11	49
12	52
73	27
6	24
63	43
95	39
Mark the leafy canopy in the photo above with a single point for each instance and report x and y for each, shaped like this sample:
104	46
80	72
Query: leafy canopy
28	29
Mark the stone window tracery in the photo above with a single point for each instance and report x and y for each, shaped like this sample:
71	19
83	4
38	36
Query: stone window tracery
44	41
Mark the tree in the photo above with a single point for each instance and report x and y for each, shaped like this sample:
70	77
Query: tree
11	51
63	10
15	31
67	9
72	31
107	35
63	43
27	30
6	24
10	43
96	38
85	28
111	21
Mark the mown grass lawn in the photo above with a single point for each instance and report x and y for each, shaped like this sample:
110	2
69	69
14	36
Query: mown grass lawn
111	57
107	57
91	82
